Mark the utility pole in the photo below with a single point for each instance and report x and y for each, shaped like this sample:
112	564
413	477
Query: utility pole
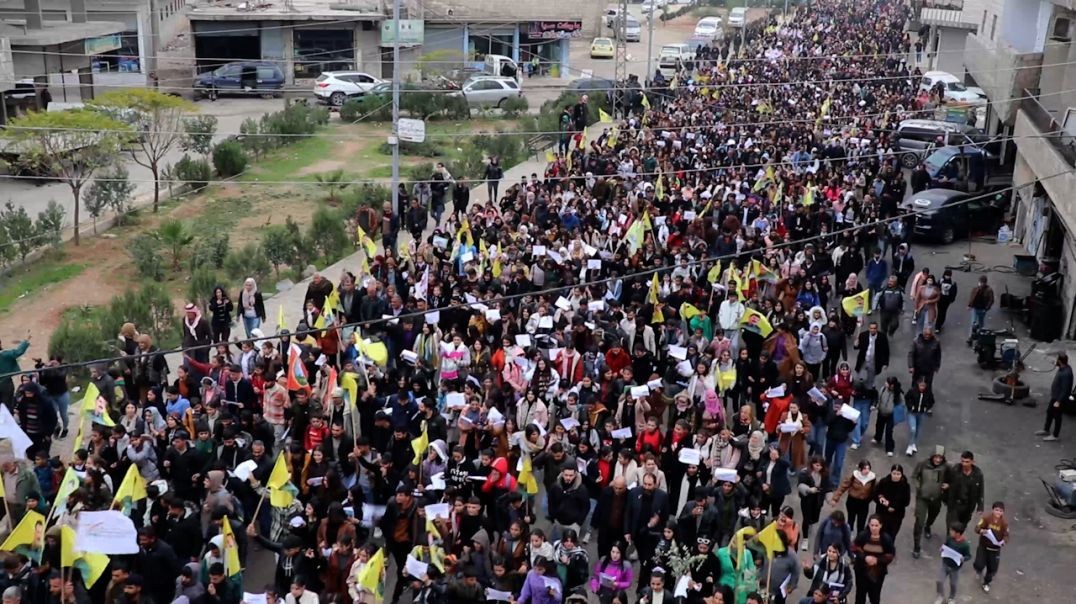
650	43
395	107
620	27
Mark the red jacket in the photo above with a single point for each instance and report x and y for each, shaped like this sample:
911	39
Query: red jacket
653	439
616	362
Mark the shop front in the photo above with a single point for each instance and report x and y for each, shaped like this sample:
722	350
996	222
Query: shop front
544	46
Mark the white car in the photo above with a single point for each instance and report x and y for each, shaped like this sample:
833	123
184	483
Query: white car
649	6
489	91
954	88
708	28
336	87
738	17
672	56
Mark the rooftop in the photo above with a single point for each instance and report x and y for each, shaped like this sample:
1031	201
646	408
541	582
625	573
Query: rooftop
56	32
290	10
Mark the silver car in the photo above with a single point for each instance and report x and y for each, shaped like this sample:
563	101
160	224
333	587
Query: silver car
490	91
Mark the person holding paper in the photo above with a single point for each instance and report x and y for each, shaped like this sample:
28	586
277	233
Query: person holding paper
793	430
954	554
782	570
541	585
892	495
993	531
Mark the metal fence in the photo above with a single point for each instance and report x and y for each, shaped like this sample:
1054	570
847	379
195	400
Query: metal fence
1051	128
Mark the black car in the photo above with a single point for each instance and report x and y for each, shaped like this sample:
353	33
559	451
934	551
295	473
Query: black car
945	214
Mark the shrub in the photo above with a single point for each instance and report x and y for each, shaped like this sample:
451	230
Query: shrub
193	173
112	191
50	223
229	158
329	234
456	107
426	149
249	261
374	108
248	137
78	338
514	106
362	196
147	260
21	232
210	251
150	308
199	131
277	243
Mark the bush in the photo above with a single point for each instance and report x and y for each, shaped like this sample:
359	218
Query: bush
514	106
278	245
21	233
150	308
210	251
199	131
147	260
249	261
50	223
329	234
426	149
375	108
456	107
193	173
229	158
78	338
112	191
248	137
363	196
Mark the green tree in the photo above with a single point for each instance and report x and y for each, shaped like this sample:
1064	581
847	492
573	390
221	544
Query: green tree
278	245
159	126
198	133
176	236
334	181
112	191
50	223
21	233
71	145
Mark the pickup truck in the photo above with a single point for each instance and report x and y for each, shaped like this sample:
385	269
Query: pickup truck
672	56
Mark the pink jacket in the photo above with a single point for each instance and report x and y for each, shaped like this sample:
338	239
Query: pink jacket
621	574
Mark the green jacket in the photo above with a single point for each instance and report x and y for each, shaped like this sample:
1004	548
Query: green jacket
928	480
9	359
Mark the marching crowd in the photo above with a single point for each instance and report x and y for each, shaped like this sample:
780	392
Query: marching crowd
641	376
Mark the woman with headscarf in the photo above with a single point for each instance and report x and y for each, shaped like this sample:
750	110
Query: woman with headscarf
850	287
220	309
251	306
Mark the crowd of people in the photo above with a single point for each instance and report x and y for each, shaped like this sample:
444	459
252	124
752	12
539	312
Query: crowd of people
559	393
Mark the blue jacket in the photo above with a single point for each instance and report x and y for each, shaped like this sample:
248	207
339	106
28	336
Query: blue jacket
877	272
829	533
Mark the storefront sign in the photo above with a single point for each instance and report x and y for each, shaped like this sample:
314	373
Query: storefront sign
412	31
555	30
103	44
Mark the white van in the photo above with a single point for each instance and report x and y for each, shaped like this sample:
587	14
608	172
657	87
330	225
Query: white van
495	66
708	28
738	17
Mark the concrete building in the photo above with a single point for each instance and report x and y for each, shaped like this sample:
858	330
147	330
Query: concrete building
311	36
77	47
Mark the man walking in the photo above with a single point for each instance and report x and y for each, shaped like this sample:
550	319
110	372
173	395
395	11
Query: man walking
890	301
981	300
929	476
964	486
993	530
1060	391
924	357
873	355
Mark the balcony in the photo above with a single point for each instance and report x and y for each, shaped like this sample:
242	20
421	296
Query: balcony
1049	158
1050	128
1002	73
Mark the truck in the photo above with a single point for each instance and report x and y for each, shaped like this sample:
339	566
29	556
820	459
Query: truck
967	168
672	56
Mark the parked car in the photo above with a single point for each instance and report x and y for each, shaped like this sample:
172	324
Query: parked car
708	28
738	17
944	214
602	48
241	77
335	87
592	85
633	32
649	6
916	138
672	55
953	88
489	91
612	11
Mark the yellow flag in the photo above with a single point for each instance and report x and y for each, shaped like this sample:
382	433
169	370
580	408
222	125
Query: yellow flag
646	222
231	549
281	491
526	477
371	576
332	301
550	157
351	387
826	104
635	235
583	139
133	487
28	538
689	311
95	406
715	273
769	539
857	305
497	267
757	322
68	485
78	436
280	324
659	188
419	446
604	117
91	566
646	101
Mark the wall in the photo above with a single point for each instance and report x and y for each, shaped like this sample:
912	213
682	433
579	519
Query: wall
1001	73
951	50
1023	24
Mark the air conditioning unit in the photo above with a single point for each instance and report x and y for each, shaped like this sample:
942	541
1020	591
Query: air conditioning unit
1061	31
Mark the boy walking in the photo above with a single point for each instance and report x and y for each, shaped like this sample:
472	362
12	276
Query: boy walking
954	554
993	530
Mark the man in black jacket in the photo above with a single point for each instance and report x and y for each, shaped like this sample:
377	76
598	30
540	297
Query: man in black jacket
182	529
924	357
291	562
400	526
568	502
156	561
648	510
183	466
873	353
964	487
608	517
1060	391
238	389
54	381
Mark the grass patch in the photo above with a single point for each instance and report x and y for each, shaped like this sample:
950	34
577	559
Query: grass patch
30	279
281	164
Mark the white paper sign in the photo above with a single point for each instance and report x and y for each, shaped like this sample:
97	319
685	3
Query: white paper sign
952	554
108	532
563	303
725	475
466	257
817	395
594	264
776	392
243	470
678	352
437	481
409	355
438	510
538	250
621	433
849	413
415	568
249	598
371	514
495	417
789	428
556	257
10	429
496	595
433	317
455	400
493	315
569	423
596	305
545	322
681	586
691	457
640	391
523	340
654	384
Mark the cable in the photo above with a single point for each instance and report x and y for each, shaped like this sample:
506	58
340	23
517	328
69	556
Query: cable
549	291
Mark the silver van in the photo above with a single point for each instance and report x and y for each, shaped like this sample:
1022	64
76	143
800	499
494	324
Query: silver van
915	139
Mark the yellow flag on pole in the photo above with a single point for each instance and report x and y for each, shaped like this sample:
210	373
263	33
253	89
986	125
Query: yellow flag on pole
90	565
95	406
132	489
367	244
526	477
646	101
635	235
770	540
372	576
604	117
231	549
550	157
281	491
757	322
857	305
652	298
28	538
280	324
714	275
419	446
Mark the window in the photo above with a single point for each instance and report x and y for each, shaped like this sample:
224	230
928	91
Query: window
267	73
993	26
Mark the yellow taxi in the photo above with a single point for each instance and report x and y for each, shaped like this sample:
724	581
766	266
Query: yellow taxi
602	48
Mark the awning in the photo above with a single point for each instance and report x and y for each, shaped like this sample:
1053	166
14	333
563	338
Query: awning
946	18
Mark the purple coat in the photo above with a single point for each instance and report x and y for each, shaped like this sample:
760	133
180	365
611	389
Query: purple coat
621	572
534	590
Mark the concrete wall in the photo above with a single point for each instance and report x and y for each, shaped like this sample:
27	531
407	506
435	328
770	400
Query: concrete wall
951	44
1001	73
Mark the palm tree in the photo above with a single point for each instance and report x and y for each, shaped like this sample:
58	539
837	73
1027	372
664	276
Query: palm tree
334	182
175	235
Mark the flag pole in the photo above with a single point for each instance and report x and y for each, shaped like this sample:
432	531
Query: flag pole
258	508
